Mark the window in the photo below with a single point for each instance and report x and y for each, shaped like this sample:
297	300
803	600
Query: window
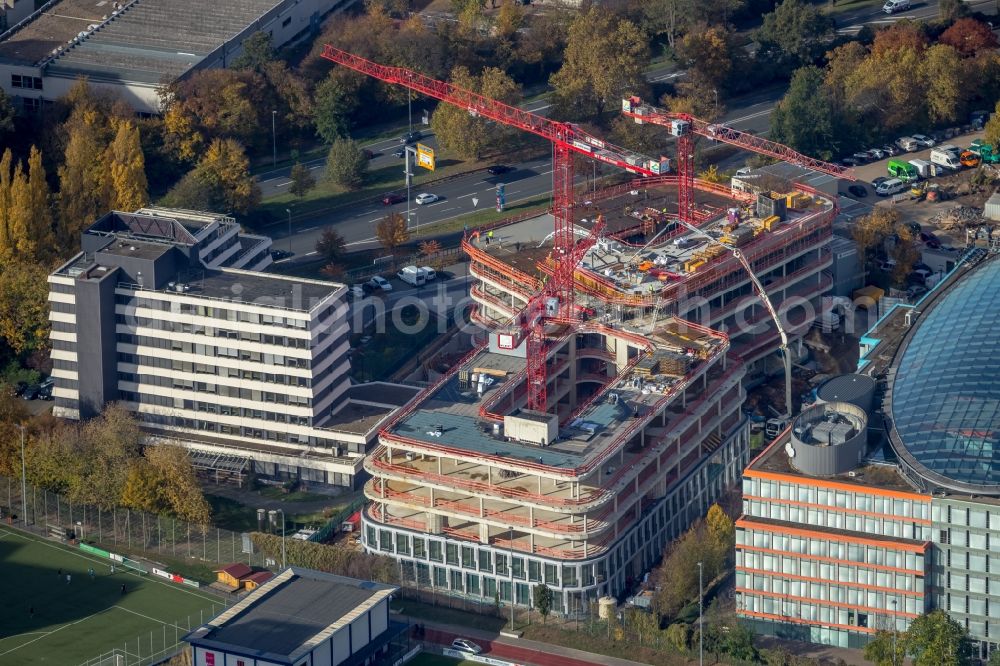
284	24
534	571
435	548
26	82
452	553
468	557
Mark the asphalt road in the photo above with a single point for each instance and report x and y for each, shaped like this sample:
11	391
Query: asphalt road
850	22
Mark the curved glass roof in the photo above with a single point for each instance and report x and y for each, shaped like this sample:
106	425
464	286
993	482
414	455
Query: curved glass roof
946	393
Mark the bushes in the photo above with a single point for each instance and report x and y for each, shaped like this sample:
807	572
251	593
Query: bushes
338	560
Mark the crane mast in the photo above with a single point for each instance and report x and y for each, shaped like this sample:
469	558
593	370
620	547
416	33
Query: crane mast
566	139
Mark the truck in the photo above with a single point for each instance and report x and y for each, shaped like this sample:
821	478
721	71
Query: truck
902	170
987	153
946	159
867	297
412	275
923	168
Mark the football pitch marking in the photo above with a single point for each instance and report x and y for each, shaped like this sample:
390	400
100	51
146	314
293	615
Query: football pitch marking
46	634
6	532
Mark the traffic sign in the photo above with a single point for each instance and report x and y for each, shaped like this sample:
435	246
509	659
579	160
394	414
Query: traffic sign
425	156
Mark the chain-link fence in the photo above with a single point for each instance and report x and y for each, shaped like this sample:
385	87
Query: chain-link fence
123	530
156	646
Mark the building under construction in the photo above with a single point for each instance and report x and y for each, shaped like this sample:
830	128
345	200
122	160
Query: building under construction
642	429
603	413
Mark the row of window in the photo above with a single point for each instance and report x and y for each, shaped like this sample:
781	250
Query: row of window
209	351
131	323
214	370
829	592
967	539
223	429
805	611
25	81
214	389
228	410
837	520
795	566
842	499
227	314
819	547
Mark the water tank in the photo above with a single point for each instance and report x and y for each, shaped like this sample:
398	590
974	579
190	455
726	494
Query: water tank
858	390
828	439
606	607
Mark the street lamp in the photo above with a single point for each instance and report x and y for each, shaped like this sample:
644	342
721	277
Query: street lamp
24	483
271	514
701	619
289	211
894	629
274	140
510	566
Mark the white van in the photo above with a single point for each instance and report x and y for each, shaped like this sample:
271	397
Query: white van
907	143
412	275
889	187
945	158
894	6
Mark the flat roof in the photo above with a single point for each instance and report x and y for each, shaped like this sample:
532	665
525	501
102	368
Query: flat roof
35	38
149	41
289	611
265	289
134	247
450	415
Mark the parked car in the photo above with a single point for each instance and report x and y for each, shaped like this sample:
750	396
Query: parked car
890	150
862	156
31	392
392	198
895	6
876	153
923	140
498	169
858	190
465	645
850	162
411	137
278	255
890	187
429	273
978	119
357	291
878	181
379	282
907	144
368	153
425	198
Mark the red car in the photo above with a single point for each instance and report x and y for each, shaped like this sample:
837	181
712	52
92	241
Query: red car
392	198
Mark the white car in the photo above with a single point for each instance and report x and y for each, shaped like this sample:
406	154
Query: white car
924	141
426	198
893	6
379	282
465	645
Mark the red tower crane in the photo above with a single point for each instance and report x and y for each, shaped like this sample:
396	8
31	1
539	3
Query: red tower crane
566	139
685	126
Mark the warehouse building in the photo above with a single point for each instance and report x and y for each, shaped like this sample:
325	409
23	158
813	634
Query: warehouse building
248	370
304	617
846	530
136	47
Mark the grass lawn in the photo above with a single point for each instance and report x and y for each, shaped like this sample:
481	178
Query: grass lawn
80	620
274	492
481	217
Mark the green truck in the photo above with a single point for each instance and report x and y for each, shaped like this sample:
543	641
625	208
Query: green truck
987	154
905	171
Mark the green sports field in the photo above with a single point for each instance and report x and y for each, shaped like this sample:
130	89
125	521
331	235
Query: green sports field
87	617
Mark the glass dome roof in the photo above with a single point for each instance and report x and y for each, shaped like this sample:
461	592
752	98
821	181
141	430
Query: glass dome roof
946	393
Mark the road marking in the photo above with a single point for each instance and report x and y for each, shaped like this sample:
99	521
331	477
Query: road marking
749	116
318	166
466	195
309	254
284	184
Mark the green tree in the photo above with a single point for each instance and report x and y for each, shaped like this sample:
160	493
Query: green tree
994	658
257	52
880	649
331	245
391	232
127	184
870	230
24	307
302	180
604	59
935	639
142	488
707	52
721	532
738	643
345	163
949	10
794	34
509	19
805	117
992	128
7	241
465	135
178	483
678	635
543	600
336	98
947	90
667	18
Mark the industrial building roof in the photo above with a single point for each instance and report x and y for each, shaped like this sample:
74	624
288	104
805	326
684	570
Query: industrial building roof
288	611
945	399
152	41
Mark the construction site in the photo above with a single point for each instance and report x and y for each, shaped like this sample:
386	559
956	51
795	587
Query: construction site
603	414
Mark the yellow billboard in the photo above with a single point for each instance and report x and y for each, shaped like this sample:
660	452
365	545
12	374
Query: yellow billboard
425	156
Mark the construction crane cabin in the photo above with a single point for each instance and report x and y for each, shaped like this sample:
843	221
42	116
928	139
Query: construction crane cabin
604	412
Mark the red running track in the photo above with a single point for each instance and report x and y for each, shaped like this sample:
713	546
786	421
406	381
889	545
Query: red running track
518	655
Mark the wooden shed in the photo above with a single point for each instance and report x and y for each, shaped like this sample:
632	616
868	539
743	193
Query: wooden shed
255	580
232	576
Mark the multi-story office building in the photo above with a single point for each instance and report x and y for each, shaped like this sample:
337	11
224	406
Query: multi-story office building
839	538
237	365
642	429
